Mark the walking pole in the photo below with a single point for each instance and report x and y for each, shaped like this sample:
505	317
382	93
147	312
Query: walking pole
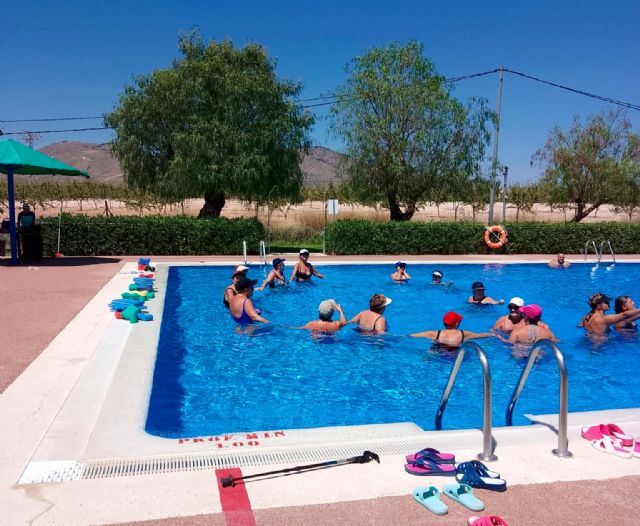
366	456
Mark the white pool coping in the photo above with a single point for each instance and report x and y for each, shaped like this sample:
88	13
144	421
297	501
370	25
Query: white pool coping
67	409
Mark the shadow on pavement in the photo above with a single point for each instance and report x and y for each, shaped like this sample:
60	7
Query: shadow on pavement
71	261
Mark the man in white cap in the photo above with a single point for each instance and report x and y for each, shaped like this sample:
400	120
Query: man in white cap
508	322
303	270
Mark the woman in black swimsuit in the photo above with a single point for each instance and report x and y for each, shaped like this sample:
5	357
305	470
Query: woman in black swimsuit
372	320
239	273
451	337
624	304
478	297
303	270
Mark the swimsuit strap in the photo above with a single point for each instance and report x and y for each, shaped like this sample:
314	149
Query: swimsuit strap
437	336
462	333
374	323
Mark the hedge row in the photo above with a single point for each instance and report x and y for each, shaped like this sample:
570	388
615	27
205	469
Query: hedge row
157	235
364	237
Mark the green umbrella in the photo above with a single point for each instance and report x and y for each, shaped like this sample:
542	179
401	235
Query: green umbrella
16	158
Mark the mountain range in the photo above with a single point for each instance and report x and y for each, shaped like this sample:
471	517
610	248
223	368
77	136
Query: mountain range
320	166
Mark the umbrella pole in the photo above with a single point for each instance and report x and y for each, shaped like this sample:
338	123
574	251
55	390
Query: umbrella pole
12	216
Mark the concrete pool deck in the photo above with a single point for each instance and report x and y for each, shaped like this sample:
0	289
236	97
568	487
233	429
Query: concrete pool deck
40	300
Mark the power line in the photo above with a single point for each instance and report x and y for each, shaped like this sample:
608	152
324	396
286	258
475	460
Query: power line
580	92
338	99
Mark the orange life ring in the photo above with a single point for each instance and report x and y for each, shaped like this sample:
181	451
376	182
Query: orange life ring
495	236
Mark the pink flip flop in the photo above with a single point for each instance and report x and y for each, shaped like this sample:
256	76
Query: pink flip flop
433	455
618	433
487	520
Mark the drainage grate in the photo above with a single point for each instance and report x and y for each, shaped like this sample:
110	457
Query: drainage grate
39	472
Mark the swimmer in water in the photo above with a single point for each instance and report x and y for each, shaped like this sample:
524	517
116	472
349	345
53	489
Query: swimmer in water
478	297
241	307
451	337
559	262
325	322
508	322
276	276
597	322
239	272
401	273
624	304
372	320
303	270
530	331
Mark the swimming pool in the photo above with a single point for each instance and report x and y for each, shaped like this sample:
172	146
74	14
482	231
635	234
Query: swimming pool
211	378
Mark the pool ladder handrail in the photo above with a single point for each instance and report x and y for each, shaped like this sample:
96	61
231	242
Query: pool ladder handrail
588	245
563	443
244	251
613	255
263	253
487	439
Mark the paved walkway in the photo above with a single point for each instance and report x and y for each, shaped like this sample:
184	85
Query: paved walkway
39	301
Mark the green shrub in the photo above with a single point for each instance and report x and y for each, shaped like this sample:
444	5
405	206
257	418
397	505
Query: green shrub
366	237
157	235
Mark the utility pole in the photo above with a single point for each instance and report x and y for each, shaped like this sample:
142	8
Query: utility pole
504	194
494	163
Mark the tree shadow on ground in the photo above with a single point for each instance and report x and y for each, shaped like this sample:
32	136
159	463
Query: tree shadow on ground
78	261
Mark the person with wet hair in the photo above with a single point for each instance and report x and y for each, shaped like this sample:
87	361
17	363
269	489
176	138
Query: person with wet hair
624	304
241	307
276	276
372	320
400	273
597	321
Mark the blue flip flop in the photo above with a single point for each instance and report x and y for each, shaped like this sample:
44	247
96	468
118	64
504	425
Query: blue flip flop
424	467
473	477
463	494
429	497
479	467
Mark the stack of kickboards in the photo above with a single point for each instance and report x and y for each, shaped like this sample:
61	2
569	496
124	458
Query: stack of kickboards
131	305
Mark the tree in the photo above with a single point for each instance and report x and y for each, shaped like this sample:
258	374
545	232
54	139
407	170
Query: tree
583	165
218	123
523	197
404	131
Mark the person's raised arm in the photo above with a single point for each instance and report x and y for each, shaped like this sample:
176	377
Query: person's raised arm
491	301
627	315
406	274
468	335
343	321
251	311
424	334
356	318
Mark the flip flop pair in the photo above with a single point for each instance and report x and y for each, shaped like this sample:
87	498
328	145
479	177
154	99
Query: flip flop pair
611	431
487	520
475	474
429	497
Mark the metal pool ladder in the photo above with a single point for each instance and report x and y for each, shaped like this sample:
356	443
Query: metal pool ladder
263	253
487	439
613	255
598	252
563	443
244	251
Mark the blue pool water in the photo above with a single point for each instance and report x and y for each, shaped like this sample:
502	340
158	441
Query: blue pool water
211	377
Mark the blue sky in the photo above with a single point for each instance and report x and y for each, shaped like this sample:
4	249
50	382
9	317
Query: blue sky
72	58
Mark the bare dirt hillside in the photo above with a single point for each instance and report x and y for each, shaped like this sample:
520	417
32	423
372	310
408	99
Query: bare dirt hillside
320	166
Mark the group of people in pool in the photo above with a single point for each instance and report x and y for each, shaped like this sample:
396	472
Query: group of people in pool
522	324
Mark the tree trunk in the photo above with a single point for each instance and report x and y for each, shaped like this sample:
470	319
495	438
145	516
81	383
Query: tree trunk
396	213
213	204
582	212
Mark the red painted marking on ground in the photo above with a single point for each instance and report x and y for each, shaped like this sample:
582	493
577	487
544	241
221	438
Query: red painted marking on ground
235	500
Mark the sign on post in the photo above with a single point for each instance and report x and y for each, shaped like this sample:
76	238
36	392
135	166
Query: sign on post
332	207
